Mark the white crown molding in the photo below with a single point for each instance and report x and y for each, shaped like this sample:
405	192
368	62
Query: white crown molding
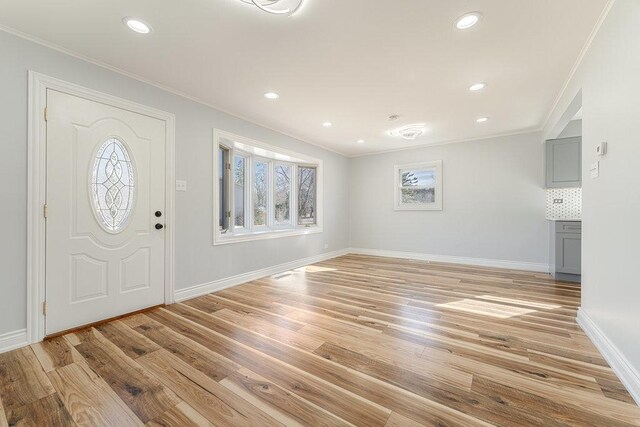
13	340
160	86
453	141
576	65
218	285
625	371
481	262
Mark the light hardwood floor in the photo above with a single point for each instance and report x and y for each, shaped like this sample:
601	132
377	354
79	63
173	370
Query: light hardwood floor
356	340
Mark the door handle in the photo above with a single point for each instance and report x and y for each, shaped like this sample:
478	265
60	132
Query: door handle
159	226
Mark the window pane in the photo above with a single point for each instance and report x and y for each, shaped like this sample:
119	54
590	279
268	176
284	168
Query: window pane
239	174
418	186
223	159
418	195
306	195
260	192
420	178
283	194
113	185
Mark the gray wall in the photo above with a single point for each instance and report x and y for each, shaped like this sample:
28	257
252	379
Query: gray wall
608	77
197	260
493	202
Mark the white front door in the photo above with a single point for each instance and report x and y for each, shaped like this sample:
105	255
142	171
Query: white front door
105	206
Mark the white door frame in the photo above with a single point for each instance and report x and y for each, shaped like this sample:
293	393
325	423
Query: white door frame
37	180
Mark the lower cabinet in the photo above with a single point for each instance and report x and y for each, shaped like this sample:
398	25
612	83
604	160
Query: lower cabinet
566	250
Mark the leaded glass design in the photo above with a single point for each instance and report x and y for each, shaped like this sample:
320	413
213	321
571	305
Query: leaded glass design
113	185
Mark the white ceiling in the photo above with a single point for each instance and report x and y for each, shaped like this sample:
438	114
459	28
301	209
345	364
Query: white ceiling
352	62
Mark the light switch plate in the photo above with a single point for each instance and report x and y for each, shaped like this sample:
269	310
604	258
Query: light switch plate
595	170
181	185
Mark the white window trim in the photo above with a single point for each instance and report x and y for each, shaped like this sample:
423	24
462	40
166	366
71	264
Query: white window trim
437	206
249	232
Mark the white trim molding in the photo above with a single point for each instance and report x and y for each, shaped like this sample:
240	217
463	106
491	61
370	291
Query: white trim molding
218	285
627	374
12	340
481	262
36	177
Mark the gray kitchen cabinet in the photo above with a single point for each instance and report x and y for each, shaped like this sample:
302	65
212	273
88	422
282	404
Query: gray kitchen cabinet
566	250
564	162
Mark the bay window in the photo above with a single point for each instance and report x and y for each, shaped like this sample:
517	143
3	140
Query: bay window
263	192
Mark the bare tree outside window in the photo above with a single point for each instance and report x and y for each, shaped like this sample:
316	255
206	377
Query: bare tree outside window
260	193
306	195
239	190
282	196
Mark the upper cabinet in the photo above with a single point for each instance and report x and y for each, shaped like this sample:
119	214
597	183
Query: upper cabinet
564	162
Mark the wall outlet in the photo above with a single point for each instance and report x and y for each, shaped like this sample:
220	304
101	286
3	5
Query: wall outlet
326	246
558	201
181	185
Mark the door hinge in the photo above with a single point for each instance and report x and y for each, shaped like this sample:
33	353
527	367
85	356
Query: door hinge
228	166
228	214
44	308
46	114
46	211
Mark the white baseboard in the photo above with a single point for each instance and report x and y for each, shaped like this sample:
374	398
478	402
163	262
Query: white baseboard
218	285
496	263
12	340
627	374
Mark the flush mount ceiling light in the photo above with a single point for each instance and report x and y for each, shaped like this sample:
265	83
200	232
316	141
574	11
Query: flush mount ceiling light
327	124
468	20
478	86
137	25
409	132
482	119
271	95
360	141
277	7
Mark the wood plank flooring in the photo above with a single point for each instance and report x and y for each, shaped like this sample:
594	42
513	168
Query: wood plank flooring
355	340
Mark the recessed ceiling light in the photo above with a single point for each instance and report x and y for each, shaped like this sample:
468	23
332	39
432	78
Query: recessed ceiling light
360	141
482	119
468	20
477	86
327	124
271	95
137	25
409	132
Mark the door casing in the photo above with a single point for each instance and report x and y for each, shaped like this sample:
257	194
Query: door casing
37	180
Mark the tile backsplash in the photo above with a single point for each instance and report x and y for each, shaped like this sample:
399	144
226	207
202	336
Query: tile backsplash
564	203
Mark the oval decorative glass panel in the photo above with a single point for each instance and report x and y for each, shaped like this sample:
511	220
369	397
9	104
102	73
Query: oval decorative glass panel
113	185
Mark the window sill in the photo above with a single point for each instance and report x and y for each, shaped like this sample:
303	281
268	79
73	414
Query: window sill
220	239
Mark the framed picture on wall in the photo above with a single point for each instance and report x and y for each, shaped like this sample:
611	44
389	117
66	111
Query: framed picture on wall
418	186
